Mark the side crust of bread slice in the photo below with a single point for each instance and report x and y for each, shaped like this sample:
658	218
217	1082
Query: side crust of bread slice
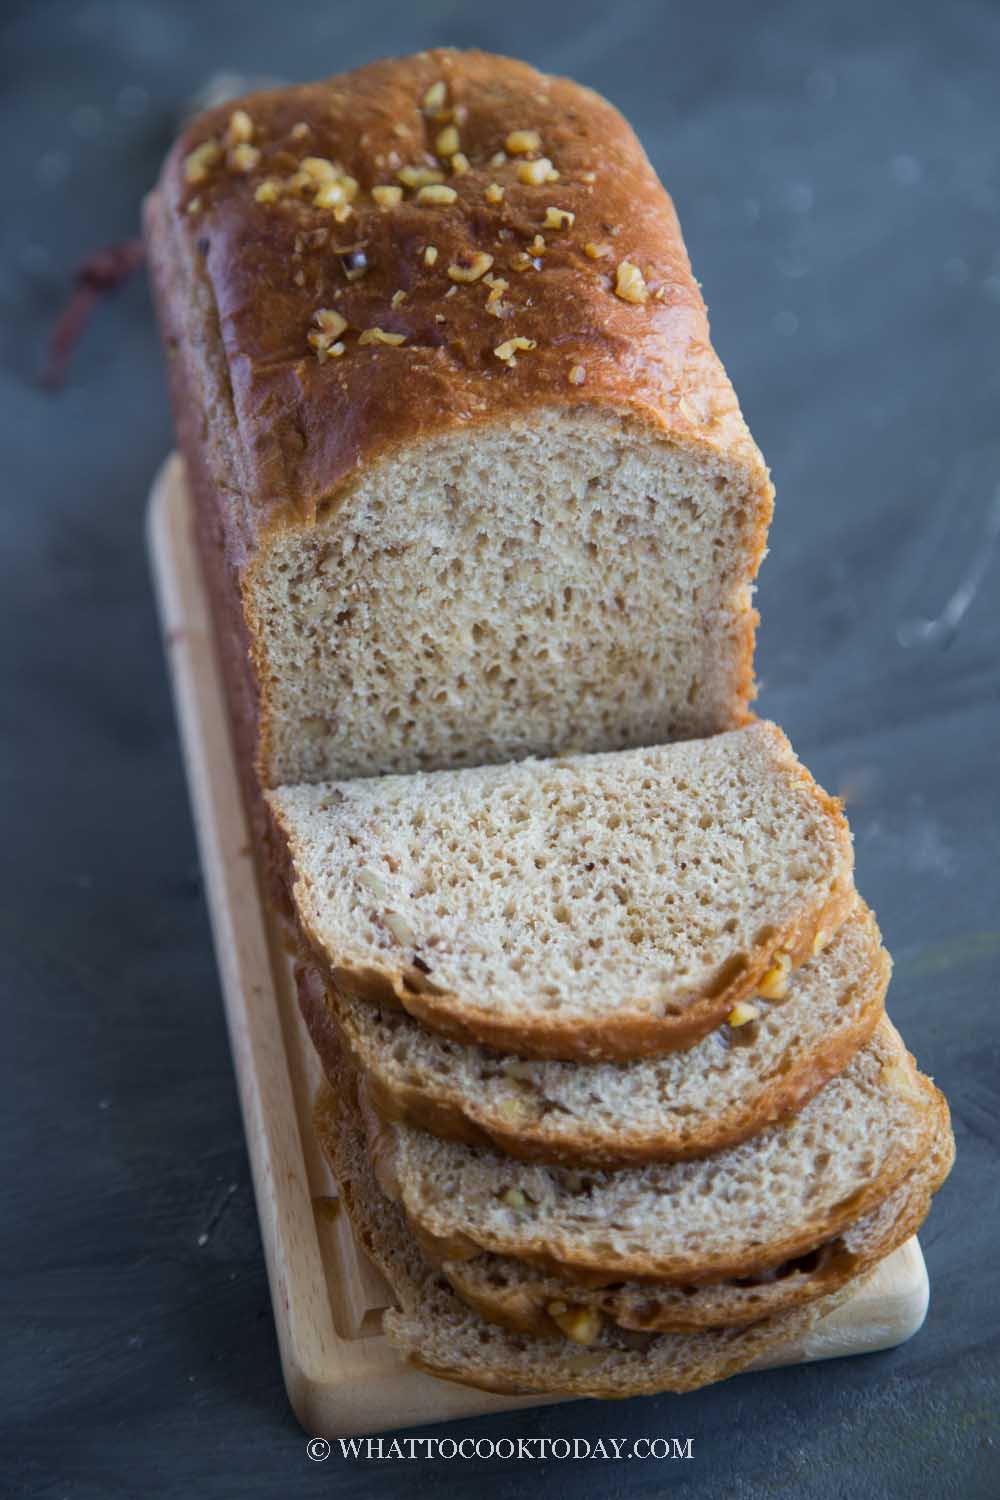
730	1085
510	1293
729	1215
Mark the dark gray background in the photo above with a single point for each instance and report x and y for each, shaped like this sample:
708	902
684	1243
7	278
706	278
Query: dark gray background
837	171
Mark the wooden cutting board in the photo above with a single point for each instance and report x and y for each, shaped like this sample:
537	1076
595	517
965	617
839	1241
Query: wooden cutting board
342	1376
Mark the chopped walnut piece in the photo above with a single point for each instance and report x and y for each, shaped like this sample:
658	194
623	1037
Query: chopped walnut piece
460	163
418	177
558	218
299	130
398	298
239	129
629	284
447	142
436	193
478	265
329	320
596	251
387	196
318	168
537	246
498	158
330	195
521	261
507	350
533	173
494	302
520	142
494	193
435	97
588	176
268	191
577	375
299	277
430	255
325	340
198	161
380	336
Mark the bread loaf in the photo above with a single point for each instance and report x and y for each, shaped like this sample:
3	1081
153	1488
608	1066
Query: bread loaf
471	483
589	907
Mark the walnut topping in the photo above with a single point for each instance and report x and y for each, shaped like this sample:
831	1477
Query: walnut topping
387	196
318	169
588	176
498	158
558	218
329	326
430	255
268	191
520	142
533	173
577	375
629	285
596	251
494	193
299	130
435	97
380	336
508	350
436	193
478	265
198	161
494	302
522	261
460	163
418	177
239	129
537	245
398	298
447	142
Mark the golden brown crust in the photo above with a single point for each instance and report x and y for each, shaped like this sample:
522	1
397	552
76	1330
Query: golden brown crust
423	1104
247	277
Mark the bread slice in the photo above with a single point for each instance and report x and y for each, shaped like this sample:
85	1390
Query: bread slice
434	1331
744	1209
433	552
598	906
516	1296
733	1083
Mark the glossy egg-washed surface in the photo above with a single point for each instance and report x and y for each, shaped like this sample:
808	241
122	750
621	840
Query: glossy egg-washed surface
272	260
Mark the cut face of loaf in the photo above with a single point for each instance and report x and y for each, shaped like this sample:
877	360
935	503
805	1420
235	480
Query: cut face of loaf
436	1332
728	1215
516	1296
480	599
594	906
479	486
733	1083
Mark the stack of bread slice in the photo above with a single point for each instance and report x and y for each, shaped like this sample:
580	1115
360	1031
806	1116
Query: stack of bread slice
613	1100
615	1105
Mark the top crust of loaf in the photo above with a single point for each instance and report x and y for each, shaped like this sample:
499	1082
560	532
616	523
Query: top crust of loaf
302	425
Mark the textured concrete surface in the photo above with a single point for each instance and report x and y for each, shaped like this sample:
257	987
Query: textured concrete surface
837	172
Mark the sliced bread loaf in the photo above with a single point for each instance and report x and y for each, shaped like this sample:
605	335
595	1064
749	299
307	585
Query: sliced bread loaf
731	1084
436	1332
744	1209
516	1296
598	906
